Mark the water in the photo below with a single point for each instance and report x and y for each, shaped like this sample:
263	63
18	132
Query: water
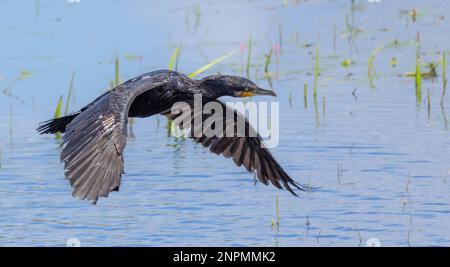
394	183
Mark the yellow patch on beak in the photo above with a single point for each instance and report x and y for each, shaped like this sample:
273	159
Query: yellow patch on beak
245	94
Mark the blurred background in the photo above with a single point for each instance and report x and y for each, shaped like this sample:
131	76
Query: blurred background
363	106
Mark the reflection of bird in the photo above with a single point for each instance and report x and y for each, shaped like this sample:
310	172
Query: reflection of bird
95	136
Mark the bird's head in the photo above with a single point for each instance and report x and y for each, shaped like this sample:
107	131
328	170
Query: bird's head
228	85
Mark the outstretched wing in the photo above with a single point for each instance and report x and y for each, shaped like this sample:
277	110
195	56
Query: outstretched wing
94	141
247	150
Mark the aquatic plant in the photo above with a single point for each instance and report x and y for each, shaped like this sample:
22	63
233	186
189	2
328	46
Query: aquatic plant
444	77
69	93
276	221
58	114
249	54
173	64
346	63
418	75
268	59
316	71
444	68
211	64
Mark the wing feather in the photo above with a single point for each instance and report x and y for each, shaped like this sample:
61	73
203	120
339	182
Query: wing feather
248	151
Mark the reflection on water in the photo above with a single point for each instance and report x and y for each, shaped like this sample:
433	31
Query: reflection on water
377	158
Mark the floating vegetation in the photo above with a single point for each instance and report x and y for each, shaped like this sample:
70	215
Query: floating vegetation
24	74
346	63
132	57
431	73
69	93
394	62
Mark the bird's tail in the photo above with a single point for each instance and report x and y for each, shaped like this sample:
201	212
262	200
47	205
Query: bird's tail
56	125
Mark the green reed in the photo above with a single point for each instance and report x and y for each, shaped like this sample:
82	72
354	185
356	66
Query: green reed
58	114
211	64
249	54
69	93
268	59
316	71
418	75
444	77
276	221
173	64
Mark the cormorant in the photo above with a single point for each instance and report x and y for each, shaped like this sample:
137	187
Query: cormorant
95	136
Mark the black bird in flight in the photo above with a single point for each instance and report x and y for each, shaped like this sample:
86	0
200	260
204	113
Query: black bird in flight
95	136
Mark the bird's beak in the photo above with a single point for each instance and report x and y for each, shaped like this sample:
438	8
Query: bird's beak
260	91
